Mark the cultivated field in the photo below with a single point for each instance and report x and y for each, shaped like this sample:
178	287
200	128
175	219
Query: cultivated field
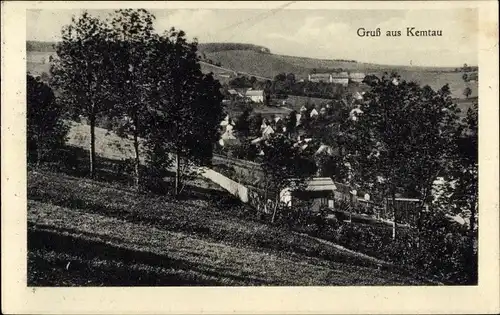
269	65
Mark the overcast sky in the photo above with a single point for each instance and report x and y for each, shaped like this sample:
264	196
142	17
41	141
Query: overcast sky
328	34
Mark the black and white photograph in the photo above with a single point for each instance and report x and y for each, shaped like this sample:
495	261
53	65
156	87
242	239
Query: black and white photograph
250	147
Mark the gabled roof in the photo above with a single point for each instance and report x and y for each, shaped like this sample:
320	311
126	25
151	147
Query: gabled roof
267	131
320	183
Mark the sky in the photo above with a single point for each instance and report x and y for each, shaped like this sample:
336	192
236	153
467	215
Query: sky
326	34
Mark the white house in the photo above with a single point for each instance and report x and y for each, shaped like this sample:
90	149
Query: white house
357	76
228	138
320	77
298	117
268	131
313	113
340	78
257	96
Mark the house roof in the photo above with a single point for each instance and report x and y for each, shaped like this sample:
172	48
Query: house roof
267	131
320	183
319	75
255	93
357	75
343	75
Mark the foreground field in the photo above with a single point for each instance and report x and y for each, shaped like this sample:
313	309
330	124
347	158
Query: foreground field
85	232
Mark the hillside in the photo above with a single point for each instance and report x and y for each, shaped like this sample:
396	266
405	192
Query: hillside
101	232
84	232
245	58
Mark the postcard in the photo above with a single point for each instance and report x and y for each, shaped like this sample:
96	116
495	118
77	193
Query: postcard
250	157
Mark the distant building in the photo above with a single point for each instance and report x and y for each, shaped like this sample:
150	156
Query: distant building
357	76
257	96
340	78
320	77
267	132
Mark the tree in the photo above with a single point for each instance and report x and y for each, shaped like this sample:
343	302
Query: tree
81	72
404	139
45	128
467	92
242	125
187	106
291	122
255	123
133	73
284	166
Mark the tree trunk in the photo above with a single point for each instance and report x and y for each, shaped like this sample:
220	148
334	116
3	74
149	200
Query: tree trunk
92	161
275	210
472	221
177	173
395	216
136	161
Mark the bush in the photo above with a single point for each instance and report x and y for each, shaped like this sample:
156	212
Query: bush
46	131
439	250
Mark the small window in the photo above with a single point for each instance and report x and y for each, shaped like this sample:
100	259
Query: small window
330	203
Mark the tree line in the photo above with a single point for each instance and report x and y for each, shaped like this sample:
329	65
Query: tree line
150	84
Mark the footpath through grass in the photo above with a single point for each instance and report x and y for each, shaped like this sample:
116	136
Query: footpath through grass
85	232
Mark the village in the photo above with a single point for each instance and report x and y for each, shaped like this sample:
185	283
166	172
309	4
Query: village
323	192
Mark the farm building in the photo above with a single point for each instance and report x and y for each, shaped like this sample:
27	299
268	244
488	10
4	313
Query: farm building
322	192
320	77
257	96
340	78
357	77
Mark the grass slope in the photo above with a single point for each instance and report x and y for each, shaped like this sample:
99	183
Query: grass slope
84	232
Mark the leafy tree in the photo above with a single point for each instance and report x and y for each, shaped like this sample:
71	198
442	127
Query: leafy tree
467	92
81	71
404	139
255	123
242	125
284	166
291	122
187	105
133	73
46	130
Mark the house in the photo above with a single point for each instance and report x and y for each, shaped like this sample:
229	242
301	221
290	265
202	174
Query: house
318	190
320	77
340	78
358	96
227	121
267	132
357	77
313	113
298	117
228	139
323	192
256	96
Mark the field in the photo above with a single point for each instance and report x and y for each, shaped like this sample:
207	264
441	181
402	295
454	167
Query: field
269	65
